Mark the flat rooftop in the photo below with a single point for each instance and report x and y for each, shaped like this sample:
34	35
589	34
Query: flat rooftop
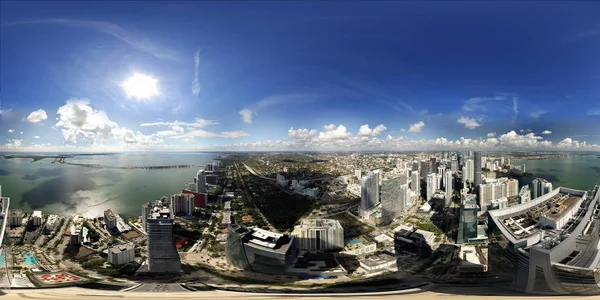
270	240
320	223
377	259
471	256
121	248
109	214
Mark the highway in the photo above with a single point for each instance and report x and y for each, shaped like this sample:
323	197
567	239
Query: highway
429	292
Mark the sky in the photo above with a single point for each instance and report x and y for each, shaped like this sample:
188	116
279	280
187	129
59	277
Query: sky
299	75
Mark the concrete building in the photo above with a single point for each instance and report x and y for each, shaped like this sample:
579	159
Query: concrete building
258	250
52	222
162	254
499	203
433	184
512	187
110	220
540	187
281	180
121	254
448	185
378	262
454	166
413	241
467	226
36	218
477	168
524	195
358	174
471	260
76	230
182	204
469	171
201	181
548	245
318	235
15	218
369	194
491	191
415	182
4	208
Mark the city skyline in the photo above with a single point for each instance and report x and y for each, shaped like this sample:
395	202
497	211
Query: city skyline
357	76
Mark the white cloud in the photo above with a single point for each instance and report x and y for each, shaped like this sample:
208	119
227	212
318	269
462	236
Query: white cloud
234	134
417	127
13	144
21	132
475	104
546	132
129	137
522	130
200	133
334	133
470	123
366	131
196	82
491	134
36	137
246	115
537	114
11	130
37	116
79	121
402	130
515	108
198	123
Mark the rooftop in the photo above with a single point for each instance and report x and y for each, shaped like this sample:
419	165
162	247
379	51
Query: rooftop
265	239
109	214
377	259
37	214
471	255
120	248
320	223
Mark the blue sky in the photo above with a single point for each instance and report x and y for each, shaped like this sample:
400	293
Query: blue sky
286	75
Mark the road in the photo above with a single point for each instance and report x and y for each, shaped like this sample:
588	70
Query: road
154	292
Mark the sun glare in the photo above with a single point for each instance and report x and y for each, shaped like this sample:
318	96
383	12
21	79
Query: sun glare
140	86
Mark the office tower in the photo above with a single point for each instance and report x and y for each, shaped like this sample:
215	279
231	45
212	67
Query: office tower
461	160
524	195
415	182
454	166
319	235
433	165
162	254
448	186
467	227
258	250
182	204
477	167
201	181
415	165
469	171
390	198
369	193
433	184
441	169
539	187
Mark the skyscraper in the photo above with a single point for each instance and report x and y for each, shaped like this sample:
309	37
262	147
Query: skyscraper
162	254
424	169
454	166
539	187
448	182
201	181
469	171
390	198
433	164
477	167
415	182
433	181
369	193
182	204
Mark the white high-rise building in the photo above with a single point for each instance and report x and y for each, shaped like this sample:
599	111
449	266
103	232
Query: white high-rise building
36	218
358	173
540	187
319	235
281	180
182	204
369	194
469	171
201	181
433	184
415	182
441	169
454	166
448	182
524	195
15	218
162	254
512	188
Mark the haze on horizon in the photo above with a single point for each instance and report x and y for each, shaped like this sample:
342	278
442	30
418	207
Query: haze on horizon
133	76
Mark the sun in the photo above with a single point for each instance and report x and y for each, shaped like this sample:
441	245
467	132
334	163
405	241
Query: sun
140	86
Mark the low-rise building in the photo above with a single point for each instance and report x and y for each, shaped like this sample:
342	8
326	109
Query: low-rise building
359	246
121	254
471	260
379	262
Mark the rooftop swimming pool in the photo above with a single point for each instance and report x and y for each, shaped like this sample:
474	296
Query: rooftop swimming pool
30	260
354	242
